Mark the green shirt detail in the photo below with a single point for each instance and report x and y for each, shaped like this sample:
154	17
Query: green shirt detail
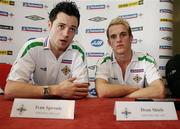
80	50
146	59
106	58
32	45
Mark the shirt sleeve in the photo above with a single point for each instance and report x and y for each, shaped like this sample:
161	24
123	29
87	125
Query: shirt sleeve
102	69
22	68
152	72
80	70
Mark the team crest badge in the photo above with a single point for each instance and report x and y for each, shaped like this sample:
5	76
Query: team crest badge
66	70
137	78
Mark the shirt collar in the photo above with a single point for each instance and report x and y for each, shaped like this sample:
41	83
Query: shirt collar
47	46
134	57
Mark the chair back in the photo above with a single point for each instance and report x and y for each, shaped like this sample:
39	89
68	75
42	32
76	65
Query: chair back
4	71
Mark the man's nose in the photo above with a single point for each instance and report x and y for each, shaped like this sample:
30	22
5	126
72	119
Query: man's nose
119	38
66	32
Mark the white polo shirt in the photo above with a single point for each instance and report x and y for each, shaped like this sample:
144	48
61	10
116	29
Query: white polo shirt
36	63
141	71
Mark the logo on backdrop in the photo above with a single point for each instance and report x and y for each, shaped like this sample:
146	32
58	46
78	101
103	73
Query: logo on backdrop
165	29
97	19
34	17
166	20
94	54
137	28
33	29
4	52
32	5
134	41
96	30
7	2
170	1
5	27
6	14
165	57
4	38
165	47
97	42
168	38
95	7
162	67
165	11
130	16
130	4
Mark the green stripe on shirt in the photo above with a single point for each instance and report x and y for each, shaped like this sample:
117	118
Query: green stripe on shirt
146	59
80	50
32	45
106	58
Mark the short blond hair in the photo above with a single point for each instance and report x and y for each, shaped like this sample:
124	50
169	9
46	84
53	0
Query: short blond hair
116	21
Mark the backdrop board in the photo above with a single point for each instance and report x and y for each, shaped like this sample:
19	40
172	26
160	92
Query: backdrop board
151	22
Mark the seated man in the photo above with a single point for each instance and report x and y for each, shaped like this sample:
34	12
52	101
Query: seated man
126	73
54	66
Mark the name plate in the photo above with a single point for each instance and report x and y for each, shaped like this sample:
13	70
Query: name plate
40	108
144	111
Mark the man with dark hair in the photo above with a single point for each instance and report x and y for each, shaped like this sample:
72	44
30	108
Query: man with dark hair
54	66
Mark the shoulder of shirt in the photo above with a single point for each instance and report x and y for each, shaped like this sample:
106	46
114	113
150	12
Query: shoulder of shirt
145	57
77	47
34	43
107	57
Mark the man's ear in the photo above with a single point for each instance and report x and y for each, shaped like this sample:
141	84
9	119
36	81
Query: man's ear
49	24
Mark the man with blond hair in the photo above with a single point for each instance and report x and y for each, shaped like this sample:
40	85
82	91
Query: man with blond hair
126	73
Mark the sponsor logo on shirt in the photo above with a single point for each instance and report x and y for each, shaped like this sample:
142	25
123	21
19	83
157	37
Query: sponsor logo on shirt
66	61
137	70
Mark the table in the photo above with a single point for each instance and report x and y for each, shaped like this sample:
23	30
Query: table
90	113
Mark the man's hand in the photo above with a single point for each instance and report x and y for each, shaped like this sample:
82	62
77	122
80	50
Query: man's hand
70	89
